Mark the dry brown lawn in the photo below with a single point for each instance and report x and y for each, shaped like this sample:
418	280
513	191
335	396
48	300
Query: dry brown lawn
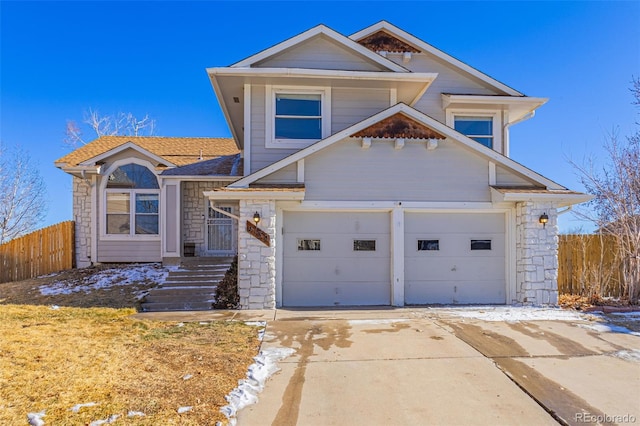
53	359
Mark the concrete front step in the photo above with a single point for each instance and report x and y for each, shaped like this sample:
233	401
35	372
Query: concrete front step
191	288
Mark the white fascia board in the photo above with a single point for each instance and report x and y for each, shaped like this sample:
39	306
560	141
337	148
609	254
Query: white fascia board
425	47
223	105
120	148
562	198
488	153
254	195
448	99
79	169
335	74
328	32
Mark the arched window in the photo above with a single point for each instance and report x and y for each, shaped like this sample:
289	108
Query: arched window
132	197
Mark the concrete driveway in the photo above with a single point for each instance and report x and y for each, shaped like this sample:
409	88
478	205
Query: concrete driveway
433	367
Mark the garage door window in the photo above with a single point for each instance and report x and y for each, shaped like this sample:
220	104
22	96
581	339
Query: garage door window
480	244
428	245
308	245
364	245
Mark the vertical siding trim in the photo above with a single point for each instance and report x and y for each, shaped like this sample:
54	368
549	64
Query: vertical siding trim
492	173
397	256
246	152
94	219
300	171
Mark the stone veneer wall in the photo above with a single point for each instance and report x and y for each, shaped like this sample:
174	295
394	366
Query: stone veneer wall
82	205
257	262
536	254
193	213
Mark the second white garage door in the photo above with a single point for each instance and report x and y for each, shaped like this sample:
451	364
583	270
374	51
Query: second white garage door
454	258
334	259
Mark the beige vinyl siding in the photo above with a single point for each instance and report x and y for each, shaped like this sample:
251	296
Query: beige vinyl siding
320	53
129	251
260	155
287	174
350	106
347	172
506	177
449	80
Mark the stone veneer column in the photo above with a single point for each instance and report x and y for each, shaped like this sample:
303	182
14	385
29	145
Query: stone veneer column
257	262
536	254
82	206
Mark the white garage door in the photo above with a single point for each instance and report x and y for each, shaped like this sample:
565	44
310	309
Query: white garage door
333	259
454	258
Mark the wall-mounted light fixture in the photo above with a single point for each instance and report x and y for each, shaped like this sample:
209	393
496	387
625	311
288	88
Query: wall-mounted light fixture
256	218
544	219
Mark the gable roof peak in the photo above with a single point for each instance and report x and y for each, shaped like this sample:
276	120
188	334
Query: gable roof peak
333	35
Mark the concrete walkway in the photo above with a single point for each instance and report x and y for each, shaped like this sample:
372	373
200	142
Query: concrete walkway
429	367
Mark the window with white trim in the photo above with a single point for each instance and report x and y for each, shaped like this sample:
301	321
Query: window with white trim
478	128
297	117
132	201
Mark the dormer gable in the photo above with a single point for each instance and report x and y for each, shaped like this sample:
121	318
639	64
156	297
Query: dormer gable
394	33
319	40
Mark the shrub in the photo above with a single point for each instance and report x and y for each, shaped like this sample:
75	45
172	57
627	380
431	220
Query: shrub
227	296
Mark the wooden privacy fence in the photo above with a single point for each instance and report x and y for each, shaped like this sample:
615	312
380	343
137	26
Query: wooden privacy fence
38	253
588	265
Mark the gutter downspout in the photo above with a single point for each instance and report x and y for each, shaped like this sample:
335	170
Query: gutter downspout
566	210
506	126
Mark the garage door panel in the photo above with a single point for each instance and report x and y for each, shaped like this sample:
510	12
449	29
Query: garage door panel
318	293
454	292
331	243
321	269
455	269
454	245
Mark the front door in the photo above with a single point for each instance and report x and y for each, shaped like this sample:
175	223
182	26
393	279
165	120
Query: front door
220	232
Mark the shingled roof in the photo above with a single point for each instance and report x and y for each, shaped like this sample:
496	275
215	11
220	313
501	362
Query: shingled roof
178	151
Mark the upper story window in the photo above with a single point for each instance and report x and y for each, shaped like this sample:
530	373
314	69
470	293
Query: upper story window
479	129
132	201
296	117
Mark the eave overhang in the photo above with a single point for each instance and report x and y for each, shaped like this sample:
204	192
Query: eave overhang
274	192
562	197
519	107
228	83
79	171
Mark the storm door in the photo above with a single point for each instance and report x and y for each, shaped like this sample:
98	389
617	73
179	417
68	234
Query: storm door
221	235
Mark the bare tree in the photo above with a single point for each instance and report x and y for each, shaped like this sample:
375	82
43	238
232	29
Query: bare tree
124	124
22	194
615	208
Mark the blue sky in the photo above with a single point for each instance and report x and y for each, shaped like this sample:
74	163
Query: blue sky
58	59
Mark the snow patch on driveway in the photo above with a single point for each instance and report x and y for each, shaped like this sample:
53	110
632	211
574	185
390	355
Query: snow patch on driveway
246	393
513	313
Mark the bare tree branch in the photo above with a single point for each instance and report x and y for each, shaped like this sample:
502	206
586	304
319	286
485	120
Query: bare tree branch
22	194
615	208
123	124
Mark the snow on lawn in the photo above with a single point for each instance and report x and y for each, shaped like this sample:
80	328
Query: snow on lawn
120	276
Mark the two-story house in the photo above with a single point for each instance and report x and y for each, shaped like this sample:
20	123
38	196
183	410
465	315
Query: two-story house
370	169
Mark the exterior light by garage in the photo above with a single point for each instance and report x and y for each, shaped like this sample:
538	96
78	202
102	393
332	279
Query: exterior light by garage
256	218
544	219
